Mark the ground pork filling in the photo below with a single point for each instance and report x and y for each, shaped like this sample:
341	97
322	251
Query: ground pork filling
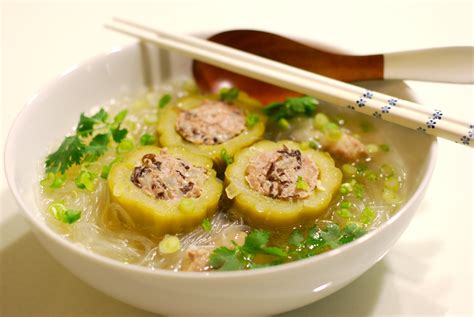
213	122
166	177
283	174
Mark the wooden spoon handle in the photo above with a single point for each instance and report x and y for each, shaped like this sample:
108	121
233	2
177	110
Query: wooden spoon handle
342	67
278	48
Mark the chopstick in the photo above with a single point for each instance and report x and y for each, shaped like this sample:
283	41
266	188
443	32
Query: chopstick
402	112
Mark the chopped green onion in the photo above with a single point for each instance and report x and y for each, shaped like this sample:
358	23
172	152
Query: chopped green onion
346	204
313	144
390	196
301	184
387	170
226	157
345	188
53	180
229	94
349	170
126	145
186	205
305	145
392	184
344	213
106	168
320	121
384	147
164	100
367	216
251	120
60	212
372	148
359	190
147	139
370	175
85	180
283	123
333	131
206	225
170	244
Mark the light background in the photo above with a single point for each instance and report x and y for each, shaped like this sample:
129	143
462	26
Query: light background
427	273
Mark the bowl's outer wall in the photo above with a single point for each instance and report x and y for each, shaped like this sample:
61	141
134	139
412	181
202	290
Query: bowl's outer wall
265	291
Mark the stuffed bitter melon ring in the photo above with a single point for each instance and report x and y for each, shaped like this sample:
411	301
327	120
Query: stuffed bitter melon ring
165	190
206	126
279	184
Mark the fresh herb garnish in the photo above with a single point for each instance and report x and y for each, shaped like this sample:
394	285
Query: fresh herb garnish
240	257
53	180
291	107
85	180
229	94
226	157
74	150
283	123
318	240
60	212
367	216
313	242
106	168
86	124
147	139
70	152
96	147
301	184
251	120
206	225
164	100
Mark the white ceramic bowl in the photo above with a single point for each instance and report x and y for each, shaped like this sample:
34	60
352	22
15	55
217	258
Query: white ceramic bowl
257	292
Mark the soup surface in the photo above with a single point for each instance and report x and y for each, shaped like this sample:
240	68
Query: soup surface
172	179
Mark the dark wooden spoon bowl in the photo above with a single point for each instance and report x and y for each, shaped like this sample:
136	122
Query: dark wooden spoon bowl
342	67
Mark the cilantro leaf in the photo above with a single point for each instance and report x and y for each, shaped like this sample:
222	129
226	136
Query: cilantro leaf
118	134
255	240
70	152
100	116
96	147
119	117
86	124
229	94
225	259
291	107
241	257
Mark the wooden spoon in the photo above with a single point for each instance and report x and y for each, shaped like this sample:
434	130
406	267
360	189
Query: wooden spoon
450	64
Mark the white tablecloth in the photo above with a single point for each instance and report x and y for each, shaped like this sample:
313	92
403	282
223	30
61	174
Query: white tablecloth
428	272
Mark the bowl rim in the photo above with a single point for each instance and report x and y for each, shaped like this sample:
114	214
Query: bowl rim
43	228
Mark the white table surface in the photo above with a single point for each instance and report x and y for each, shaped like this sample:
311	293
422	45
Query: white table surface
428	272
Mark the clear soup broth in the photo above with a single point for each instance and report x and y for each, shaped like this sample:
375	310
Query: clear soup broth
79	204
